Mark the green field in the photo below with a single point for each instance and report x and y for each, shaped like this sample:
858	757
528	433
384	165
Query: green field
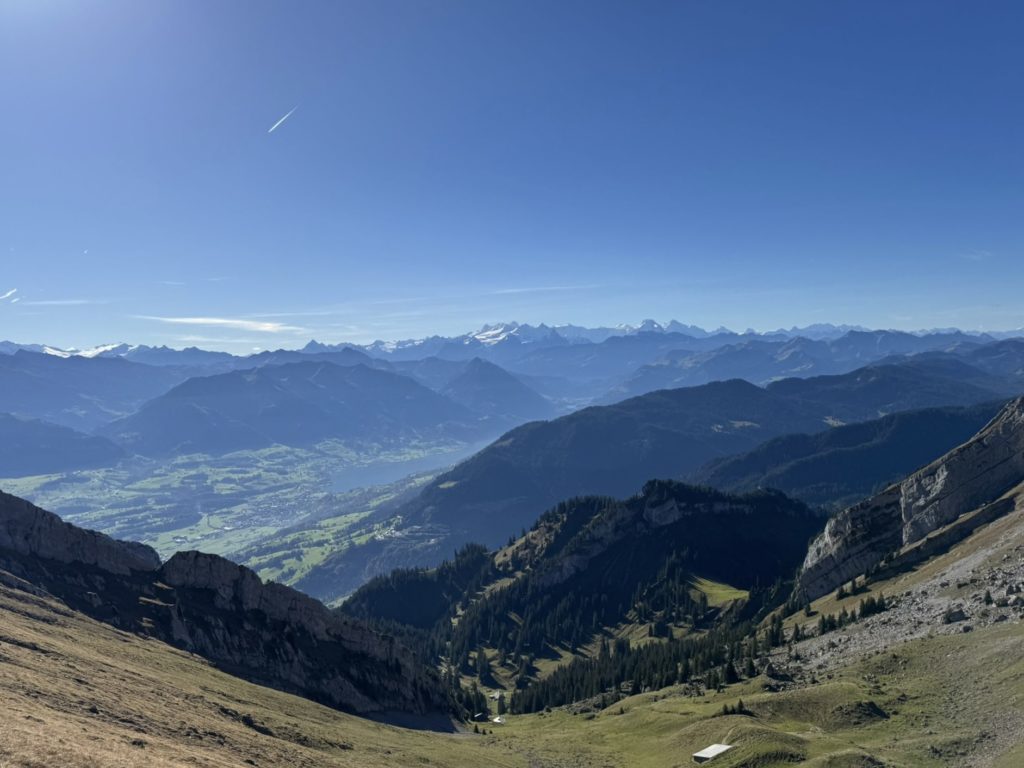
224	504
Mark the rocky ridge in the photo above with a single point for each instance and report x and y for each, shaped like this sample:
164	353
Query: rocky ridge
28	530
210	606
863	536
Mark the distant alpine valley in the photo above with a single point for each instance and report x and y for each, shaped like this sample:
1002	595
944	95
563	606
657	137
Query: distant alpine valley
327	465
669	619
521	546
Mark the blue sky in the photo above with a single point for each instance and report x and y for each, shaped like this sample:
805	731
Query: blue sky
453	163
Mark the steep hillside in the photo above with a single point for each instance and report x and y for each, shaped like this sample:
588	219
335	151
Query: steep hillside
593	564
216	609
79	693
33	447
296	404
873	533
612	450
843	465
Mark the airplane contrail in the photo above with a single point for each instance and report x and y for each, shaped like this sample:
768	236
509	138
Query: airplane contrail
8	294
274	127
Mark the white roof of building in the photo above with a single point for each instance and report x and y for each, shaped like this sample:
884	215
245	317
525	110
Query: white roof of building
713	751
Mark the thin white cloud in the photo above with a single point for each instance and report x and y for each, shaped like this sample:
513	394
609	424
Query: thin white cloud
62	302
9	294
276	125
16	299
228	322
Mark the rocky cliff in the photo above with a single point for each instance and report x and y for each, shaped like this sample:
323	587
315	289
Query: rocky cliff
212	607
28	530
968	477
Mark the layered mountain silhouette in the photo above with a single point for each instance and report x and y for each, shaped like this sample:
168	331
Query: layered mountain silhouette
612	450
78	392
762	361
847	463
34	447
296	404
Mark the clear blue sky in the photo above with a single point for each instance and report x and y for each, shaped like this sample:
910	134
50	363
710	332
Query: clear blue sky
452	163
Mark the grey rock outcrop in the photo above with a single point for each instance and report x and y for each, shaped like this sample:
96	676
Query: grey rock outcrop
207	605
29	530
277	633
968	477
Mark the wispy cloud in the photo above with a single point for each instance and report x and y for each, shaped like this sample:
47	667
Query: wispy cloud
976	255
236	323
9	294
277	125
541	289
63	302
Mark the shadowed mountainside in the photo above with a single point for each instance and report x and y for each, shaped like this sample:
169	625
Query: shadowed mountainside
208	605
842	465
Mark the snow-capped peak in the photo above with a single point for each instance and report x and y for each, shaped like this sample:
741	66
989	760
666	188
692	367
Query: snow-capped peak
107	350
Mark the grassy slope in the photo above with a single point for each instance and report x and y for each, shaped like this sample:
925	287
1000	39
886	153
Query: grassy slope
950	698
939	692
74	692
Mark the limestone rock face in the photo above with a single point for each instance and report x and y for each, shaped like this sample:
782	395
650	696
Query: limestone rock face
976	473
968	477
207	605
278	633
29	530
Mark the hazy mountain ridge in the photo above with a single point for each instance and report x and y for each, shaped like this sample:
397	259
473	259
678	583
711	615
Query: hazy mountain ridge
35	447
612	450
291	404
78	392
847	463
762	361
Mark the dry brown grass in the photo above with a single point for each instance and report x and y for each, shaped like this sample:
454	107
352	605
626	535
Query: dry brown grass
78	693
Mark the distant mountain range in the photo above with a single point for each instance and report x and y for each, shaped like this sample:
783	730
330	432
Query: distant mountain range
296	404
78	392
33	447
762	361
481	383
612	450
492	336
841	466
